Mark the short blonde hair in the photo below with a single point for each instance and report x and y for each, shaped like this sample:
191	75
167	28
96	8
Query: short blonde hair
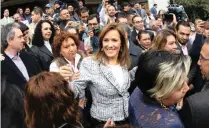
159	73
171	76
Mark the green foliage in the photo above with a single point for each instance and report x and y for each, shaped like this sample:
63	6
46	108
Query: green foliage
195	8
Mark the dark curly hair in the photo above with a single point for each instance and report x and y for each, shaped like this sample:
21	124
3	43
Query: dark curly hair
49	102
38	38
58	40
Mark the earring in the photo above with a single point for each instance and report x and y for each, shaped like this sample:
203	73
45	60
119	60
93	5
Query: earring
102	49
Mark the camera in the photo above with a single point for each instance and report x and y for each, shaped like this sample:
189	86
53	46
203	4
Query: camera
168	17
178	10
111	2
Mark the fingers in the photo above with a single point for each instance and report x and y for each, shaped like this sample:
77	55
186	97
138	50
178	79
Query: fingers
90	33
66	72
109	124
191	86
81	103
76	76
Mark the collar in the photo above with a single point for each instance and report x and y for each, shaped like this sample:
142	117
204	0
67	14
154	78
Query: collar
143	48
77	58
6	17
182	45
46	42
12	55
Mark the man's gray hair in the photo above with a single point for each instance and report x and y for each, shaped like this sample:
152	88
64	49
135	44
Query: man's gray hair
7	33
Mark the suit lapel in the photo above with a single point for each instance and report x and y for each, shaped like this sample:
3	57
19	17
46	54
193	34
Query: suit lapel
179	47
108	74
12	65
26	63
189	47
45	50
132	49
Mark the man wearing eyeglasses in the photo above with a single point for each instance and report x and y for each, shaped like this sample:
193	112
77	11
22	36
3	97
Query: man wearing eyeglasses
203	62
195	112
138	25
91	34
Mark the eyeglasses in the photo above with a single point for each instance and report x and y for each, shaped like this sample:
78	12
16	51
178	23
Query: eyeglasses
137	22
92	24
202	58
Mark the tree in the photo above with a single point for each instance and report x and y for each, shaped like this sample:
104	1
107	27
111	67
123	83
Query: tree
195	8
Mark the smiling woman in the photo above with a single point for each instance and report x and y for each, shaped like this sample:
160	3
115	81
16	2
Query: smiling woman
112	46
107	77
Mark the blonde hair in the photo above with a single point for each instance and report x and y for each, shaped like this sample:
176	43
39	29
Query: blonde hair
171	76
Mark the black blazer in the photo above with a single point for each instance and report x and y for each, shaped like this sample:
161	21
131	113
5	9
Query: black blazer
12	105
195	112
133	36
194	52
43	55
135	52
13	74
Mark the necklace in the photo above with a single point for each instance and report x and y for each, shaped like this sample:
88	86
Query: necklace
162	105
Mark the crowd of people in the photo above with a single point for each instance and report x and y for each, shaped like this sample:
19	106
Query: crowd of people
123	66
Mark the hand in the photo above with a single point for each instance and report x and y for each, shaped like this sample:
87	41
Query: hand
76	76
57	28
107	6
81	29
174	19
191	86
50	18
89	50
68	23
82	102
109	124
1	57
66	72
200	26
90	33
104	3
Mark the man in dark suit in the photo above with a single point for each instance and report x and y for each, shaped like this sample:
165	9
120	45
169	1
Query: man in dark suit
134	50
144	40
18	66
138	25
190	48
195	112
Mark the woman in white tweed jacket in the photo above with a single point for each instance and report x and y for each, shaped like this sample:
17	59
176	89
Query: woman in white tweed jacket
106	75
